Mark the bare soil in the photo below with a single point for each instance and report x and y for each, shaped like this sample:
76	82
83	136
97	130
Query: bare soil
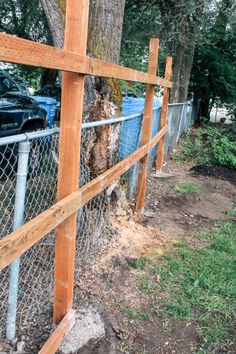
112	285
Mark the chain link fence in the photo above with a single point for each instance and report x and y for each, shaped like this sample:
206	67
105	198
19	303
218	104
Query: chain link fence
35	289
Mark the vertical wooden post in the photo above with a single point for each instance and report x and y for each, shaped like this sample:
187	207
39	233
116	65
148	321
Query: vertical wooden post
147	124
76	30
164	111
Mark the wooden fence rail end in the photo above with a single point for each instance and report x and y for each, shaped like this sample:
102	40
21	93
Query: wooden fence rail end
57	337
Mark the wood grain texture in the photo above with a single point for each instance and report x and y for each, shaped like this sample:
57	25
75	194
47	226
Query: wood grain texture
147	125
22	51
56	338
76	32
164	114
19	241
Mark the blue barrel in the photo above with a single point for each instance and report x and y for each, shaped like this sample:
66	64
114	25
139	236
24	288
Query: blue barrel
50	105
132	105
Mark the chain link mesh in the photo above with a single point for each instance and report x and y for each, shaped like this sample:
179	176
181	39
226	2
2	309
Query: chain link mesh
36	269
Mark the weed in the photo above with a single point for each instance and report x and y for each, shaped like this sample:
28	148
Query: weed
134	314
231	212
147	286
167	325
139	263
128	350
186	188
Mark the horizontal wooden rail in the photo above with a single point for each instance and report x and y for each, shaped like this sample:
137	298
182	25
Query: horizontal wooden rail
19	241
21	51
57	337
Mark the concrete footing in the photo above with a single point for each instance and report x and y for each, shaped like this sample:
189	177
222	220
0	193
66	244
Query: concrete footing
89	327
163	175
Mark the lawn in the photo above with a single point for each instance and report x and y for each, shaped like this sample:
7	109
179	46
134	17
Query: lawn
196	283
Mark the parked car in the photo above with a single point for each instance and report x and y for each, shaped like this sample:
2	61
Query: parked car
45	98
19	114
12	84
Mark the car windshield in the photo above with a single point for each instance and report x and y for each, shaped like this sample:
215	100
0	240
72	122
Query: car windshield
21	82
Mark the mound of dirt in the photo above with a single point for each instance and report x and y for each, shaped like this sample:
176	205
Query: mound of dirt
218	172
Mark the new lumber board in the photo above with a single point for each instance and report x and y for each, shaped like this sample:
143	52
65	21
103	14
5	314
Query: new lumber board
22	51
76	33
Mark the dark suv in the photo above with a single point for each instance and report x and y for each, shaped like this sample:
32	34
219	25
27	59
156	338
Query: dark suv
19	114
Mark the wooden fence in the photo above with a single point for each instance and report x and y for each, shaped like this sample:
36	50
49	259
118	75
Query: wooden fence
74	64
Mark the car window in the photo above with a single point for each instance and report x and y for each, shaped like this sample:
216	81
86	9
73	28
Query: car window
45	91
7	85
21	82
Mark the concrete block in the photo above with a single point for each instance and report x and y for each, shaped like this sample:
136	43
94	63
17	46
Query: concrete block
88	327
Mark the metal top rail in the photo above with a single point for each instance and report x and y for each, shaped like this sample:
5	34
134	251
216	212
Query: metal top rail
47	132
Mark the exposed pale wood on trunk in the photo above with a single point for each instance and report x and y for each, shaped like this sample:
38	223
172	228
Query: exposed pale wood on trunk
164	112
19	241
147	125
22	51
57	337
76	32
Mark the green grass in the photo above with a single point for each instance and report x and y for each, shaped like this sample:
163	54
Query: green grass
134	314
231	212
186	188
199	284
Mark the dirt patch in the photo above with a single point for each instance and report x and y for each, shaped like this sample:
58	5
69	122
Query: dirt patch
149	337
186	213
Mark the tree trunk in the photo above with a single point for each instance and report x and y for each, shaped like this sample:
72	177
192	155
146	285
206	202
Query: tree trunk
174	96
187	29
105	29
55	13
186	69
48	77
204	109
102	96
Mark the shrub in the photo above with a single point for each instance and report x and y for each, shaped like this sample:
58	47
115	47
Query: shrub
209	145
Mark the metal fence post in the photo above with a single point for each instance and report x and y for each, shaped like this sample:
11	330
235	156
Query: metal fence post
180	124
164	113
147	126
21	179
